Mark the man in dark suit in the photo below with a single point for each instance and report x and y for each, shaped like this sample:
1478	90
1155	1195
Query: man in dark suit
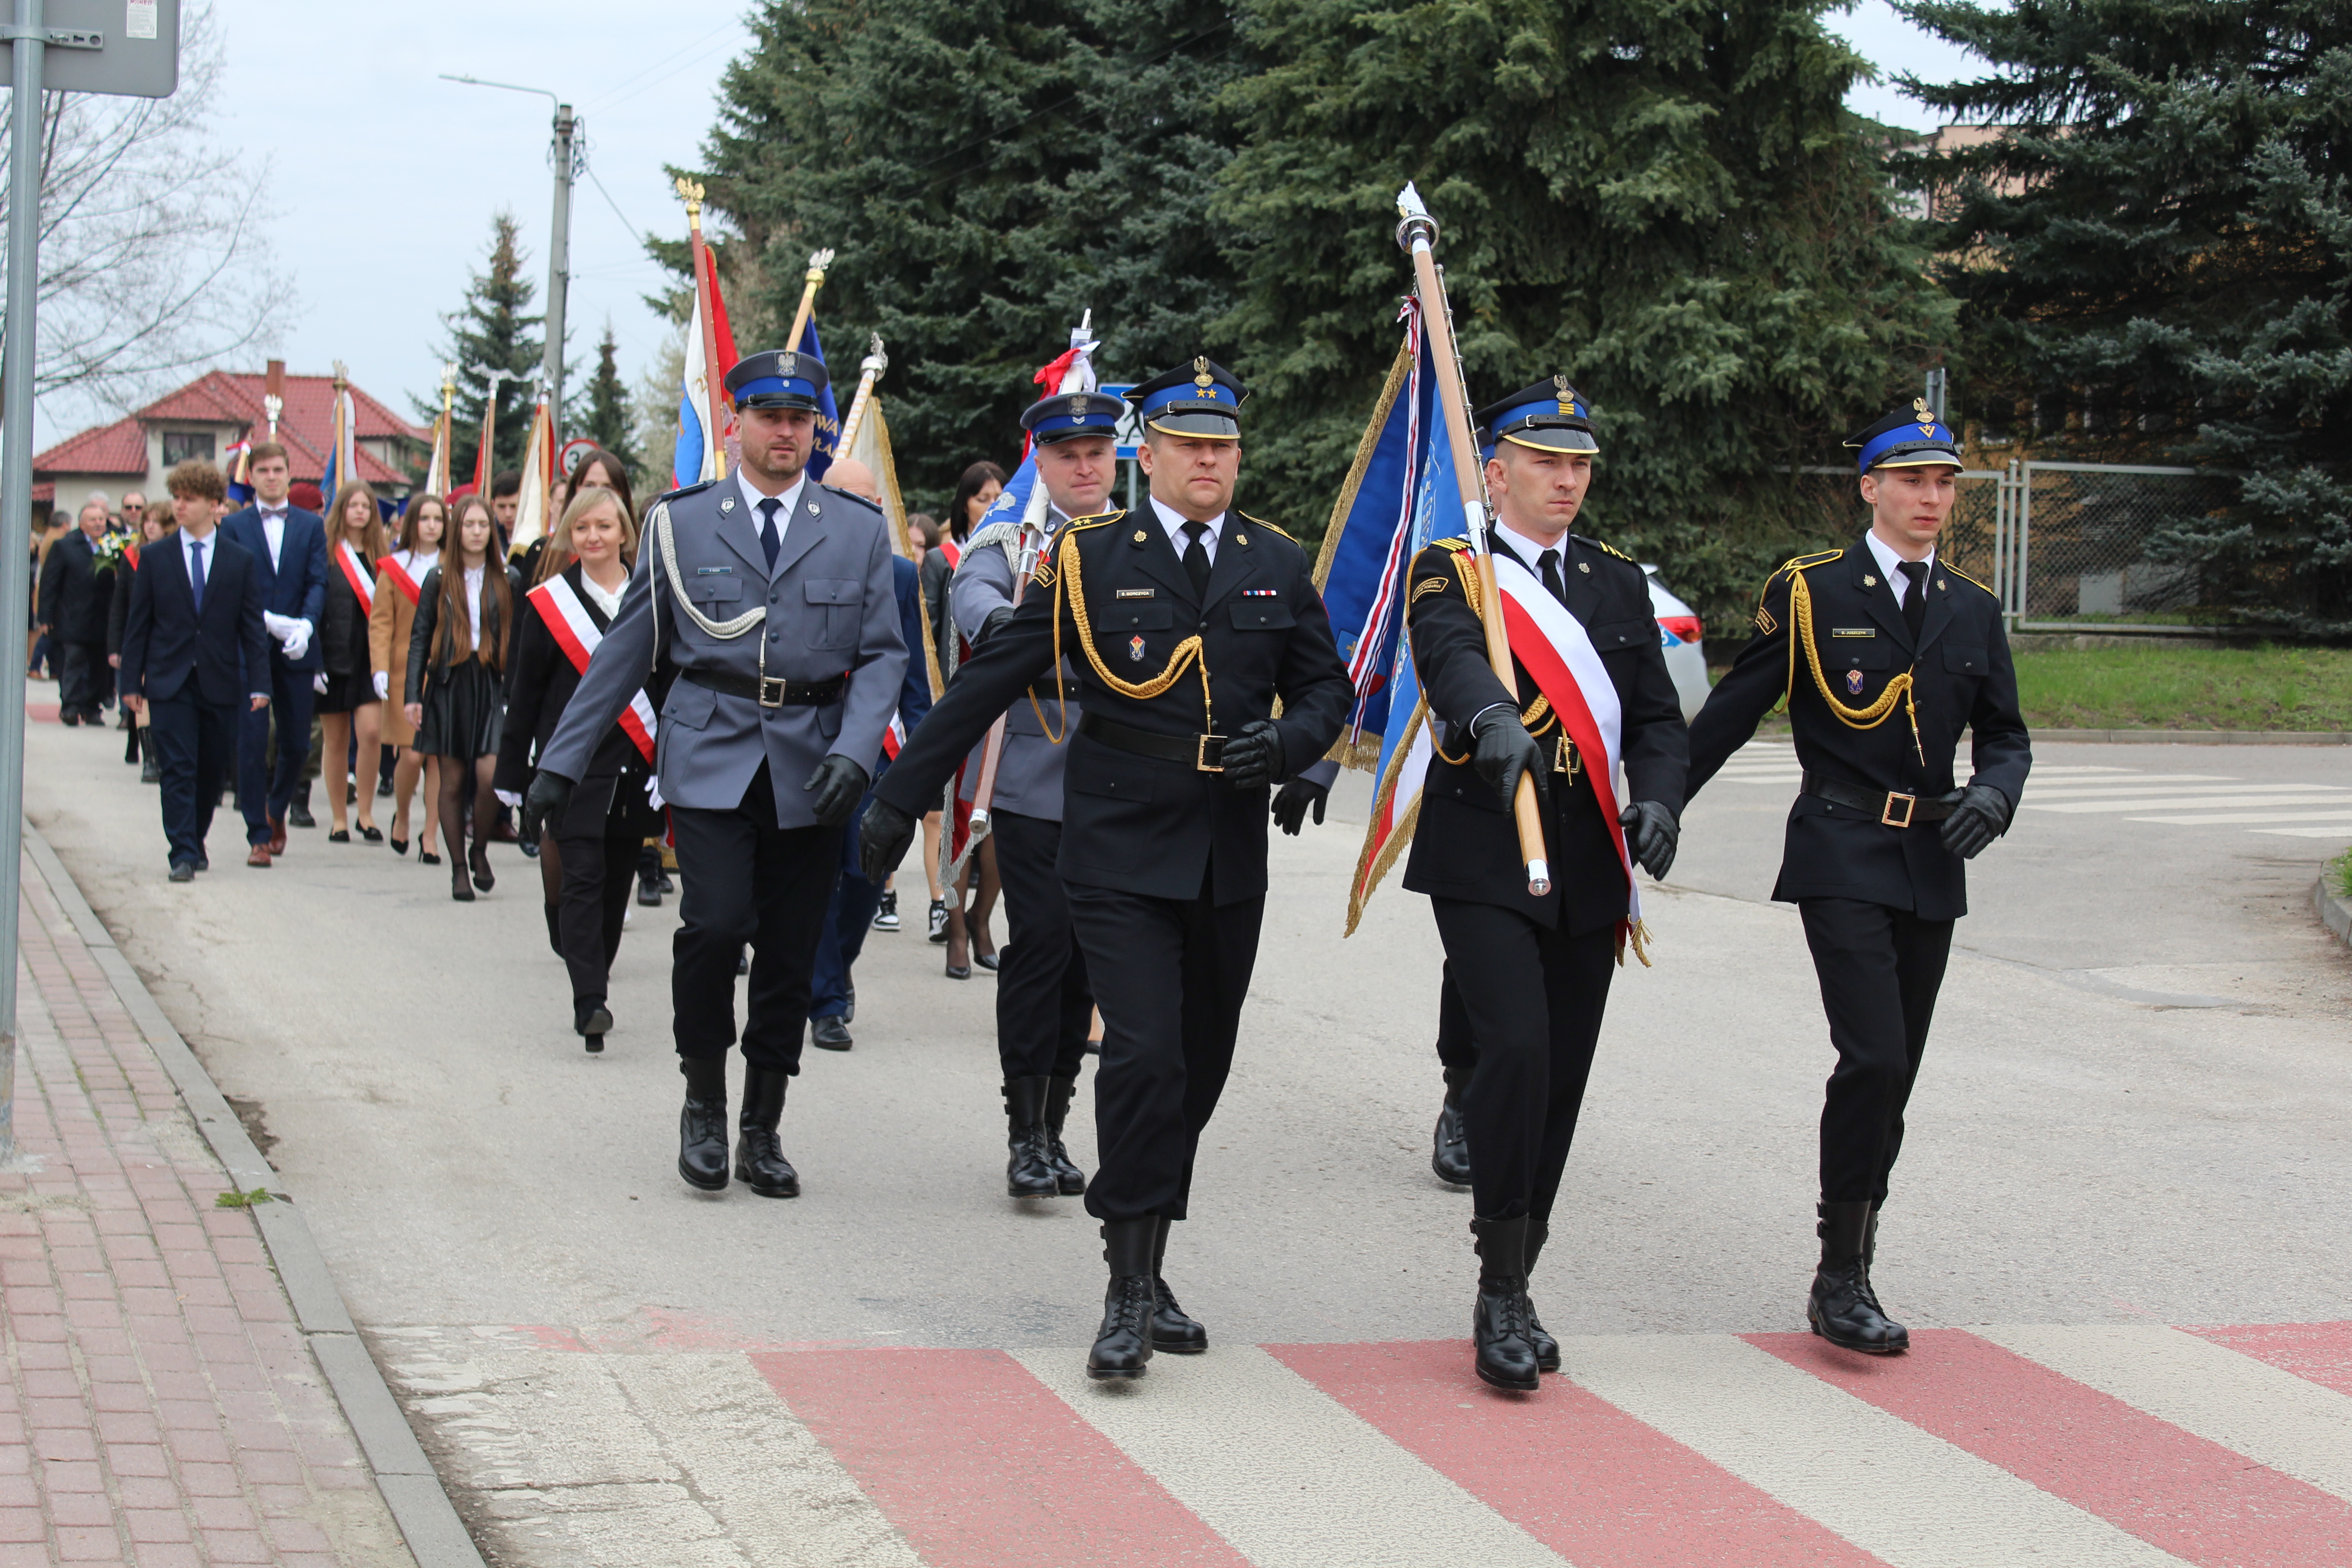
288	547
1190	621
77	591
1884	656
1527	974
192	634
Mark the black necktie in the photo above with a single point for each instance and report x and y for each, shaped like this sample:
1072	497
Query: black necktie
768	539
1915	603
1549	562
1196	557
197	574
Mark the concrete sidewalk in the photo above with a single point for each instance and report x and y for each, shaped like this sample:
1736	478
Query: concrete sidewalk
160	1403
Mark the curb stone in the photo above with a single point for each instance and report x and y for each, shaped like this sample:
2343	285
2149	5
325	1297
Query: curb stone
2334	910
436	1537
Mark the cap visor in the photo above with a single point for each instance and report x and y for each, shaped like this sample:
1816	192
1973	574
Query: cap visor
1544	440
1919	457
777	400
1205	427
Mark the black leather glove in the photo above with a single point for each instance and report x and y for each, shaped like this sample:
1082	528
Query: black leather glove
1651	836
1504	751
544	802
836	783
996	618
1254	757
884	834
1291	803
1980	812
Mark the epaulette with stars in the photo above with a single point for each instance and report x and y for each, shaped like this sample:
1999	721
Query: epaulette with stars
1043	573
1605	548
1946	566
1766	621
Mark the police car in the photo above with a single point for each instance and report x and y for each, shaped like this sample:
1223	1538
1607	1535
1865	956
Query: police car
1681	635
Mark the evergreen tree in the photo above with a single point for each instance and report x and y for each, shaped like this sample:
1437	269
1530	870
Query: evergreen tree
490	329
2154	260
608	422
1667	203
985	172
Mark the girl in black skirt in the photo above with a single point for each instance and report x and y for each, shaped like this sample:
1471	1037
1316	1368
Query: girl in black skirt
457	656
347	701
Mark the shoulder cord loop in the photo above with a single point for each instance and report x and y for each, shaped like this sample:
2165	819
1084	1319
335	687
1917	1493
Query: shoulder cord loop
725	631
1186	652
1899	690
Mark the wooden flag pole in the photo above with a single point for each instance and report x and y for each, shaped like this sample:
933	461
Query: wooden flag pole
713	374
1417	234
870	371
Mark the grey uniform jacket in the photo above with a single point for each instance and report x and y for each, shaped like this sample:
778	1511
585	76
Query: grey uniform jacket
831	611
1029	772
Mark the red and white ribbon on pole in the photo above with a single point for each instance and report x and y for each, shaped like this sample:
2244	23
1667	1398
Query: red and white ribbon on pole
356	573
575	632
1557	650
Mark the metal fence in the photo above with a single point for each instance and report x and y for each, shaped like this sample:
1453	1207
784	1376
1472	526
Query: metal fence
2079	546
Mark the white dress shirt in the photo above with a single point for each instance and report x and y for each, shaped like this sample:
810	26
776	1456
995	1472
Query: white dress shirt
473	603
1889	564
791	497
200	567
608	603
273	530
1176	522
415	563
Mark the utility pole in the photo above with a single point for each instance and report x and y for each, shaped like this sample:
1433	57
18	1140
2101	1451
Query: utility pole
568	155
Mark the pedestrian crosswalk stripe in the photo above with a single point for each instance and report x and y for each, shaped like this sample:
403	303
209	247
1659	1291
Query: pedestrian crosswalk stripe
2248	799
2114	785
2342	814
2335	832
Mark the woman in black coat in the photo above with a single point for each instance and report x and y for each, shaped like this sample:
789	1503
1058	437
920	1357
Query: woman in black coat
456	653
589	856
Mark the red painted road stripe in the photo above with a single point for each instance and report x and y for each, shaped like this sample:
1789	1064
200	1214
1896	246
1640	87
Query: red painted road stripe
981	1466
2321	1352
2173	1490
1579	1475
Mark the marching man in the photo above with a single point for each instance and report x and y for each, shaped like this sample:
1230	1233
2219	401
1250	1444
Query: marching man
1531	972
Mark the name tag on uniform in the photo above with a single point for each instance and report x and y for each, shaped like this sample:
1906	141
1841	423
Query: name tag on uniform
714	570
1135	592
1261	593
1853	631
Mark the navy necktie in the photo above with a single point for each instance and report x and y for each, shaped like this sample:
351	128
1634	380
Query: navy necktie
769	539
197	574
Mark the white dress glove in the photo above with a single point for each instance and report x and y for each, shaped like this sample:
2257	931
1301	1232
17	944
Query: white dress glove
382	685
318	683
276	625
297	640
511	799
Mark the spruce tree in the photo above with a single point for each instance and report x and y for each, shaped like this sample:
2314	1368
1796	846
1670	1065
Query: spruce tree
608	415
2155	261
1669	203
985	172
492	327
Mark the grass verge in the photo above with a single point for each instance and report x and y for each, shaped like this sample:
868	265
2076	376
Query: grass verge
2266	686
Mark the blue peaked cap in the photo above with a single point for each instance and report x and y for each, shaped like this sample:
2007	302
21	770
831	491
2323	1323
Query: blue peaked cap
1912	438
777	378
1068	413
1198	399
1551	416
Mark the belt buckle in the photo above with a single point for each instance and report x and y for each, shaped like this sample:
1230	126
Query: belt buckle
1910	804
779	683
1210	757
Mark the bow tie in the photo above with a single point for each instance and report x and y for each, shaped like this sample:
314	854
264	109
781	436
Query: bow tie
279	513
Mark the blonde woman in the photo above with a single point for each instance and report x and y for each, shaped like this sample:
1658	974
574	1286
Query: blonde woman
400	580
348	705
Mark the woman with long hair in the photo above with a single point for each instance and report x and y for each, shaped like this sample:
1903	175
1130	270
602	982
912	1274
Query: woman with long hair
400	579
456	655
588	855
348	704
154	523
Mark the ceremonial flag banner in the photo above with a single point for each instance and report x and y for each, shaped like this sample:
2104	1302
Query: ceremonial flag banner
531	521
828	415
342	465
709	350
237	464
870	444
437	470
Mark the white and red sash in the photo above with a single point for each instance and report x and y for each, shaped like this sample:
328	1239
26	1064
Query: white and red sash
575	632
1557	650
409	587
356	573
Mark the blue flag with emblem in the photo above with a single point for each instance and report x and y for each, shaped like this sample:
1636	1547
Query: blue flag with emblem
828	414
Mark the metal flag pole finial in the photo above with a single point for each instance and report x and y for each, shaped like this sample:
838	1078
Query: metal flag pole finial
690	193
809	284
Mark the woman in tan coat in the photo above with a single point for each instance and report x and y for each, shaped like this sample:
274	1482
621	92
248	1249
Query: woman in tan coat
402	576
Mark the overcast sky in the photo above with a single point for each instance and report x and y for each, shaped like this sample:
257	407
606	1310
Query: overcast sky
384	178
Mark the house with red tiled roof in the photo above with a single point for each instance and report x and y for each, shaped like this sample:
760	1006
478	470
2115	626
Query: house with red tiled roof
211	414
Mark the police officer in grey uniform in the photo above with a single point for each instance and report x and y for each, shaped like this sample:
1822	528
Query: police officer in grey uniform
1043	1003
769	599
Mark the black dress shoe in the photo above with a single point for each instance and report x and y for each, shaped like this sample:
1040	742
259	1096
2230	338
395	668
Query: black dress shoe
988	960
1546	1348
829	1034
760	1161
1122	1347
1505	1357
649	889
1028	1173
339	835
399	846
298	814
478	860
70	718
373	835
184	871
702	1123
427	857
1067	1176
1842	1308
204	862
383	787
1173	1330
1449	1154
959	971
592	1021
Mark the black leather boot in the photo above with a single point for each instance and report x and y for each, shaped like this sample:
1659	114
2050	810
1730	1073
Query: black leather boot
702	1125
1059	1091
1844	1309
1546	1348
1498	1324
1027	1171
1123	1344
150	770
760	1162
1173	1330
1450	1154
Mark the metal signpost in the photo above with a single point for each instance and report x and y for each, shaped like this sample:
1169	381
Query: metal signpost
1129	436
127	49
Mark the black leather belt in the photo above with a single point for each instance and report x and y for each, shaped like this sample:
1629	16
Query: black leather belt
1205	754
1893	809
775	691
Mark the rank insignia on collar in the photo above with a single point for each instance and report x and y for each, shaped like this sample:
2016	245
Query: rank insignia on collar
1853	681
727	506
1135	648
